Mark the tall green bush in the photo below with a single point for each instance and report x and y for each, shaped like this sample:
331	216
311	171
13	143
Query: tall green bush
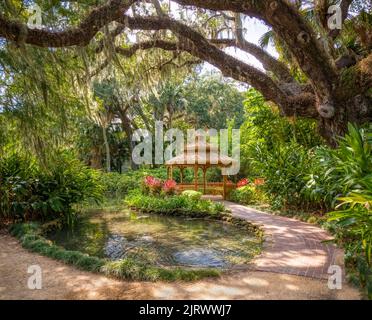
118	185
284	168
265	127
351	176
30	191
341	171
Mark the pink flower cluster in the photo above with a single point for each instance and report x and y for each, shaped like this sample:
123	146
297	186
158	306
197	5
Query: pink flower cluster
169	186
155	186
152	181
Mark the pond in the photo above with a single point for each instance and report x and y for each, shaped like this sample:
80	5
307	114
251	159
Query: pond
162	240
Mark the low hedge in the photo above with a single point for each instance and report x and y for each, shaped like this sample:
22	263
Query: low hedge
175	205
184	205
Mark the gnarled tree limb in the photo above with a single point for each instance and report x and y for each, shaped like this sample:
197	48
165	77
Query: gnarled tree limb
292	28
194	43
269	63
78	36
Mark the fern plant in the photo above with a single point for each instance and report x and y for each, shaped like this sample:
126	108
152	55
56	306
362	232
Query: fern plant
352	174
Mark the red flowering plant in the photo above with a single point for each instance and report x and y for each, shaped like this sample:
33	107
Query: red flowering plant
242	183
152	185
169	187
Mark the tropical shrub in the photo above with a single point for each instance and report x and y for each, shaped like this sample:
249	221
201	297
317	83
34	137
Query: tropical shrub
350	175
245	194
284	168
356	217
169	187
354	222
343	170
118	185
192	194
265	127
29	191
152	185
181	204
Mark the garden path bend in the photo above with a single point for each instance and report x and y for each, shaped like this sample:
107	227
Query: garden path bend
291	246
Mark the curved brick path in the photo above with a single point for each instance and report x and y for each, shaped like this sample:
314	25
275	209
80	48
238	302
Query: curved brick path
292	246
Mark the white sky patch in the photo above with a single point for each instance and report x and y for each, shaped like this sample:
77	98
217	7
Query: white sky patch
254	30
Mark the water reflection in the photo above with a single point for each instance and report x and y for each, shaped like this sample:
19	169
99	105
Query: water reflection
161	240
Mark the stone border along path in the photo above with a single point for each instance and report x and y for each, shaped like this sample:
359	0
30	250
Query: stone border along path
291	246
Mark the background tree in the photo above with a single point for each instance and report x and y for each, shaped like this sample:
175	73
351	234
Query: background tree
329	90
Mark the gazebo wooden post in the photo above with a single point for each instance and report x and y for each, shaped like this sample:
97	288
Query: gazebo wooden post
196	177
171	173
181	174
204	180
168	172
224	187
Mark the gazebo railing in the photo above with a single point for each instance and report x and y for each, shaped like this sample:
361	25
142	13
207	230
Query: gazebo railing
212	188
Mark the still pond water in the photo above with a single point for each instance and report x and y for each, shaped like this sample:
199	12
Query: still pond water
170	241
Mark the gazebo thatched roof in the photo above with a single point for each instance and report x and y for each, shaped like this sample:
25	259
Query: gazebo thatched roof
202	154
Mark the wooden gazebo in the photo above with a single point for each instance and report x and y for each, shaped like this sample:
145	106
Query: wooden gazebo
201	156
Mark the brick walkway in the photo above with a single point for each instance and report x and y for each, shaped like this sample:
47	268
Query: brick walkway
291	246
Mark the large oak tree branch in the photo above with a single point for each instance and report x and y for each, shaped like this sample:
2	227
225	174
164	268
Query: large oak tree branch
292	28
80	35
269	63
197	45
285	19
302	105
145	45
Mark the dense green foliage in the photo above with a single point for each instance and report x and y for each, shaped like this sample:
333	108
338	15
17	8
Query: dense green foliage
194	195
343	170
303	175
29	191
354	230
278	150
249	194
350	175
117	186
213	103
177	205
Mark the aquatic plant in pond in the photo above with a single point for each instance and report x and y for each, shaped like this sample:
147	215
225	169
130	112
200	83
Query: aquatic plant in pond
160	240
